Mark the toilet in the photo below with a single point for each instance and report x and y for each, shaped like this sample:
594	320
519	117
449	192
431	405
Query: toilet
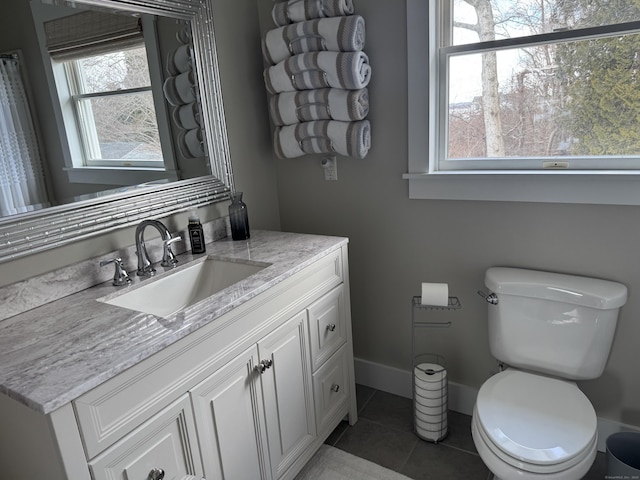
531	421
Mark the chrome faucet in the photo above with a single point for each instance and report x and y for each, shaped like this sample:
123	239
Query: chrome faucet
145	268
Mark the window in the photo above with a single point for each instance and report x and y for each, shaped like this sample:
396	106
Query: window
114	110
529	88
103	84
536	84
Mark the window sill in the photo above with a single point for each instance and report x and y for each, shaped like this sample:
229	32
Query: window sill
576	187
119	176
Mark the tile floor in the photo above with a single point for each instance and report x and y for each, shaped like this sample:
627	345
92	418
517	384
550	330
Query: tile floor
384	435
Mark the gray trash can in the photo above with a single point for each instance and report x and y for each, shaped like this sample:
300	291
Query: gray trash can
623	456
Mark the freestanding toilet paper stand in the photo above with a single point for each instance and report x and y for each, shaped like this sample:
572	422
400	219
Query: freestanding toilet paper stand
429	378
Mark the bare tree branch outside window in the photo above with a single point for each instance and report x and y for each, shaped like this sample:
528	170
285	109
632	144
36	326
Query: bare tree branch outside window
547	99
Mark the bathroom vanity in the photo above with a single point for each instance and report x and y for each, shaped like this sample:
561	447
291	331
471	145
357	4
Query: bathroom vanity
245	384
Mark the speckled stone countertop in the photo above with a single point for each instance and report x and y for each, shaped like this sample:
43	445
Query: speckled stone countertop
56	352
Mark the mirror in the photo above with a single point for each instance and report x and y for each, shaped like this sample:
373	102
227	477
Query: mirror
97	211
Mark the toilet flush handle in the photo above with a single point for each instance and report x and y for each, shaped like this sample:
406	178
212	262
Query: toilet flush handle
491	298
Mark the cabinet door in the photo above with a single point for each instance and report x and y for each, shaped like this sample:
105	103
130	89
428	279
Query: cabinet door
230	421
167	443
288	399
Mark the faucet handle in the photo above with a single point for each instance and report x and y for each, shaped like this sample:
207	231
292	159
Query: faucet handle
120	277
168	257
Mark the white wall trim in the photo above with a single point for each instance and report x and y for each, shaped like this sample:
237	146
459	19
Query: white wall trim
461	397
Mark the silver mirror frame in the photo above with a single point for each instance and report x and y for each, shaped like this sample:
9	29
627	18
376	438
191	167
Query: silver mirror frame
33	232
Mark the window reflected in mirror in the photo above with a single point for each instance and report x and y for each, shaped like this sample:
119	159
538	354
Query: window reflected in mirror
114	111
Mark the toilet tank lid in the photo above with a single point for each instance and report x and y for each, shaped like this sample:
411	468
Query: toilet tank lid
590	292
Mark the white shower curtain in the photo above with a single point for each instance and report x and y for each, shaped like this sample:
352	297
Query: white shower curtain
21	173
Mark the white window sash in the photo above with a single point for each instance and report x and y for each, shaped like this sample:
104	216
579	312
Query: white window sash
441	50
86	122
578	187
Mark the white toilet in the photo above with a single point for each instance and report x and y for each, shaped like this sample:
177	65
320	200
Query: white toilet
531	421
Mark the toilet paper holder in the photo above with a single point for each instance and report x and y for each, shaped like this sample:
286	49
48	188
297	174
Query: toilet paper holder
454	304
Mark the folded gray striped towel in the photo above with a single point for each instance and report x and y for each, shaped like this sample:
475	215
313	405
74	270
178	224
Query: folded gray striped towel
289	108
337	34
306	71
351	139
292	11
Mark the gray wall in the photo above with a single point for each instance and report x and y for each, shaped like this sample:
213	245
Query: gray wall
396	243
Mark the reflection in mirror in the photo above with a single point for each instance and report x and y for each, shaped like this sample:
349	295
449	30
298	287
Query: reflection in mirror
21	170
104	128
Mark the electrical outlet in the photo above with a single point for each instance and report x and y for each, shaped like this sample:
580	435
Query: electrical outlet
330	166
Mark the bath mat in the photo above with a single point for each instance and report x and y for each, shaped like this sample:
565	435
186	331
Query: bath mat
330	463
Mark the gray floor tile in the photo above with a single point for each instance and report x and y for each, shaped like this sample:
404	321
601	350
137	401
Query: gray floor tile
459	435
598	469
389	410
363	395
429	461
378	443
333	438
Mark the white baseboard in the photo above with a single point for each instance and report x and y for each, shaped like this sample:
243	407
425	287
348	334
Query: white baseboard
461	398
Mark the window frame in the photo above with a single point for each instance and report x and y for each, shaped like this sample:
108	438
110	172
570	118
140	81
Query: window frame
426	181
85	121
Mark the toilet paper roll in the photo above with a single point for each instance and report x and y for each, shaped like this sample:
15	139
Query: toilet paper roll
436	294
429	373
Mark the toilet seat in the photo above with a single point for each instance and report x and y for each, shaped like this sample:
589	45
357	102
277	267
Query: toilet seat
535	423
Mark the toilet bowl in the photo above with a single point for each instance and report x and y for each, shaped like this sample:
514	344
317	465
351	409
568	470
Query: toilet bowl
531	421
533	427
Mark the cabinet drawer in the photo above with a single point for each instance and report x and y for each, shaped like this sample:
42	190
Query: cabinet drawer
167	441
327	326
331	389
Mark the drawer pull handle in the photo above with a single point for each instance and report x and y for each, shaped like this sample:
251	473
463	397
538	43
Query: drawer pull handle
264	364
156	474
331	327
335	388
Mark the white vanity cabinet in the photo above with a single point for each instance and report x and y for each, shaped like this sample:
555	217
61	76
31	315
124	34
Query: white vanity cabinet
228	411
267	386
166	444
287	390
250	395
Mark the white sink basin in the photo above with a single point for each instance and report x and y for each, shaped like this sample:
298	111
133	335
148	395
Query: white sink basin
186	287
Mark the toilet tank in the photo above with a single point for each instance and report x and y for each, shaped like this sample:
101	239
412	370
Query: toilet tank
557	324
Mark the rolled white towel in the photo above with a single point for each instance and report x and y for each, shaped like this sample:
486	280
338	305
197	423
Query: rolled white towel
187	116
191	143
337	34
292	11
288	108
351	139
306	71
181	89
180	60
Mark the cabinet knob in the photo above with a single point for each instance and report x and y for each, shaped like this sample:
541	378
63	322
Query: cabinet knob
335	388
156	474
264	364
331	327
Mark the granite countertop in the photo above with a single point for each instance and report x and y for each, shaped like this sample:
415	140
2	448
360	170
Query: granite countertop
56	352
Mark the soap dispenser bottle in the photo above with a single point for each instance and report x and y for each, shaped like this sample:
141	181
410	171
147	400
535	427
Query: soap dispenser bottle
196	234
238	217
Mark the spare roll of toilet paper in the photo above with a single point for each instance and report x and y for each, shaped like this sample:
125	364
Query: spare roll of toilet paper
435	294
430	372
